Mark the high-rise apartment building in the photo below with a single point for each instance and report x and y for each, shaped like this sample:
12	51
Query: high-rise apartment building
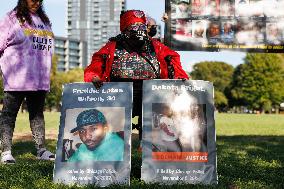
71	53
93	21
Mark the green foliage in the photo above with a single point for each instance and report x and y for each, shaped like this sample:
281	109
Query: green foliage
58	79
220	74
220	99
281	56
258	83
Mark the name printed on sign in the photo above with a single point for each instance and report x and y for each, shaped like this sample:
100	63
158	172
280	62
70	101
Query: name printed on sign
175	87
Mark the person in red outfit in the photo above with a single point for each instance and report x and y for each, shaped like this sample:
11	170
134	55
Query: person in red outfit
133	56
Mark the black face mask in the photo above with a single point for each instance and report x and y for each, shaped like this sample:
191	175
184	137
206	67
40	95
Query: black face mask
136	39
153	31
139	35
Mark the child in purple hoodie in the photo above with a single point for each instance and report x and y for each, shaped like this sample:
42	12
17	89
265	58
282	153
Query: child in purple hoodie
26	47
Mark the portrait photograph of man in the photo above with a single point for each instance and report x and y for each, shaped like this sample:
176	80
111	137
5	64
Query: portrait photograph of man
93	135
213	32
227	31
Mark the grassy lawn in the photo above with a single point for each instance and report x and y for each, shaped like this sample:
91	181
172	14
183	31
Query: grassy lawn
23	126
249	124
250	150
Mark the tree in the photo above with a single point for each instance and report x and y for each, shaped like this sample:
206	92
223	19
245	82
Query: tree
220	100
258	83
281	56
52	97
58	79
220	74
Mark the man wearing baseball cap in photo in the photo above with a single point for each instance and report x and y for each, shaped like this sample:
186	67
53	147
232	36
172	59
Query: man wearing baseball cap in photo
99	144
133	56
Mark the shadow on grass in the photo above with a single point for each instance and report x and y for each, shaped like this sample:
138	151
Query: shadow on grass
251	161
25	147
243	162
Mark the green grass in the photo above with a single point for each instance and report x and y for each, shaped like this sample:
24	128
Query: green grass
51	122
250	150
249	124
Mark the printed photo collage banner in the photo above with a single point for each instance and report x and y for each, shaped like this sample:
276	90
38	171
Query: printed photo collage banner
215	25
178	142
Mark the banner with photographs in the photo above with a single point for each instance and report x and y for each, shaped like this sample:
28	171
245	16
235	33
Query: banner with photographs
214	25
179	140
94	135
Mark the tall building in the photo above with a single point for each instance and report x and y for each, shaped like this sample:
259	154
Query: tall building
93	21
71	53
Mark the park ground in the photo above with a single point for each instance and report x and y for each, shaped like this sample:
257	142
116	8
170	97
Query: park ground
250	154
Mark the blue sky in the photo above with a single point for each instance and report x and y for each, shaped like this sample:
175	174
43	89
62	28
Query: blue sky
56	10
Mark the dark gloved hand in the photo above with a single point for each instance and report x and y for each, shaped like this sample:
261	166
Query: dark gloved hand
183	79
97	82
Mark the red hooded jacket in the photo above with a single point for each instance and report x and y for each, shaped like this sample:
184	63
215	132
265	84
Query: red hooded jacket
96	66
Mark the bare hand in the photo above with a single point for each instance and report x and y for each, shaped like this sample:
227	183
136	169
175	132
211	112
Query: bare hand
165	17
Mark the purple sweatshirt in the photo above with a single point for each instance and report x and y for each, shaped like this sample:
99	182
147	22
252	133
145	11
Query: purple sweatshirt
26	54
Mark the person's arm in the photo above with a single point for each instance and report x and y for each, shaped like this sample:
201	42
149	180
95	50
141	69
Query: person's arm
95	71
179	73
165	17
95	68
6	32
